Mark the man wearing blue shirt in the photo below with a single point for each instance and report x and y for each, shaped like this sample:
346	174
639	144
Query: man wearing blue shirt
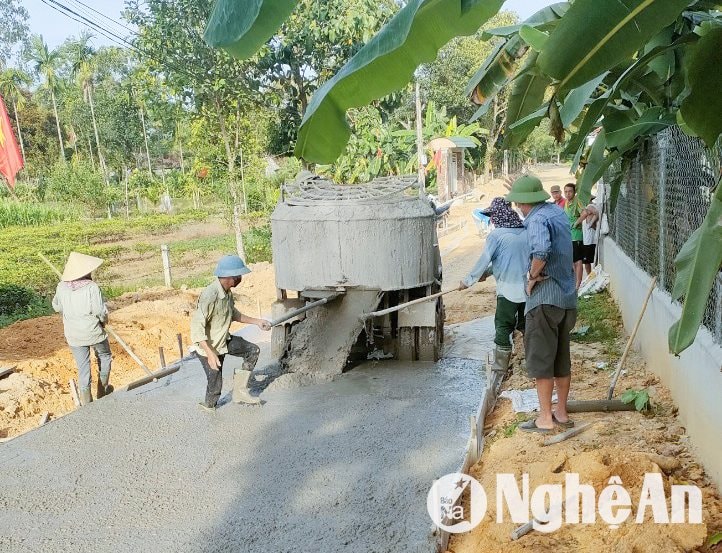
506	255
551	305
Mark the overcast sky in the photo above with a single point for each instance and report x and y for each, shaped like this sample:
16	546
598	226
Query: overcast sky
56	27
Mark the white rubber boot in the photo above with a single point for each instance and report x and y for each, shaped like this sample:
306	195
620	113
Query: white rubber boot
240	388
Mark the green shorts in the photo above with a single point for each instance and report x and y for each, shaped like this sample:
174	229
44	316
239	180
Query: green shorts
546	341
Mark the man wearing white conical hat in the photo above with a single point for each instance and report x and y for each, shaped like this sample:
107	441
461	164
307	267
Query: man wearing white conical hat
80	301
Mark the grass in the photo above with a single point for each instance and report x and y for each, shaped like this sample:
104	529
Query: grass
13	214
19	246
601	314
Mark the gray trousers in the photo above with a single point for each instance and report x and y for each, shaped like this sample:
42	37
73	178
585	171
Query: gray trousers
82	359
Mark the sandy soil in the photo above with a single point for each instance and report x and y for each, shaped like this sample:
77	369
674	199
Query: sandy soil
146	320
624	444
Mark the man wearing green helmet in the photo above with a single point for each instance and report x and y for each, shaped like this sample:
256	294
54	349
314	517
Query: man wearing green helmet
210	333
551	305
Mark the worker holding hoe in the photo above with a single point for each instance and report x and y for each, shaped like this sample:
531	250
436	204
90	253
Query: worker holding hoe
80	301
210	333
506	255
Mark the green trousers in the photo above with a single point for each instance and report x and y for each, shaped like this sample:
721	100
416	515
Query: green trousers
509	317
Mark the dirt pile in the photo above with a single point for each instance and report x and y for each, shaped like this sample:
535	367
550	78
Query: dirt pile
623	444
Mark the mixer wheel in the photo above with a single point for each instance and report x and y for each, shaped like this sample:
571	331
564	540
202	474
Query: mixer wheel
428	346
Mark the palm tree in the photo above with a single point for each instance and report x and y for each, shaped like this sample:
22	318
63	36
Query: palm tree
83	60
46	63
13	83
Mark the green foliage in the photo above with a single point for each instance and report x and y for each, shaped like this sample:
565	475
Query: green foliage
258	244
18	303
702	76
697	266
241	28
601	315
77	182
385	64
30	214
19	246
714	539
613	32
640	398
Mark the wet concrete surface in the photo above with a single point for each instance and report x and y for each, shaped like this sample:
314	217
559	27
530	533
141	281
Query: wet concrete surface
338	466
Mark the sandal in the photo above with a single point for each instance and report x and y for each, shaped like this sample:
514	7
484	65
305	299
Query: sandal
530	426
568	424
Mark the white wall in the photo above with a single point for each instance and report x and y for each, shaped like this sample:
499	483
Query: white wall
695	378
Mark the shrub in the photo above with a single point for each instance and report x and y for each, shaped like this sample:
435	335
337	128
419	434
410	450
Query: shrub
257	243
18	303
32	215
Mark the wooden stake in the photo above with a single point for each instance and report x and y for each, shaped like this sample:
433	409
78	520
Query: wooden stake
44	418
74	392
180	344
631	339
568	434
161	354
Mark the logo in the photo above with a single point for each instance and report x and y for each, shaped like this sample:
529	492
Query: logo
457	503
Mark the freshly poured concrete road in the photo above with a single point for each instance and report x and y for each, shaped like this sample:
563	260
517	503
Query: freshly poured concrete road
339	466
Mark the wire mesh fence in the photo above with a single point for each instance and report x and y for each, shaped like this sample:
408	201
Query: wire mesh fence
663	199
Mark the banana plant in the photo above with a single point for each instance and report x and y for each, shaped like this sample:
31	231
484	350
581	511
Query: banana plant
632	68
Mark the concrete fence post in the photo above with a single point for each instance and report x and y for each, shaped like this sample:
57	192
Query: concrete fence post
165	254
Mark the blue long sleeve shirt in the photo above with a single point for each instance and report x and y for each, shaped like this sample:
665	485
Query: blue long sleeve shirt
550	240
507	252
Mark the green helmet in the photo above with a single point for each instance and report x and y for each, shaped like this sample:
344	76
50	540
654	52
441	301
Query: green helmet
527	189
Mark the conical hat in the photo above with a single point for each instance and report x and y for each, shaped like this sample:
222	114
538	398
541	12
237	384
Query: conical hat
79	265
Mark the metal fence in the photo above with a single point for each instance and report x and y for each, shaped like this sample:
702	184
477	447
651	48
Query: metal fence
663	199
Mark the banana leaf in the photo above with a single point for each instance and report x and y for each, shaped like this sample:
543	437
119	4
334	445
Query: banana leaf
533	37
622	136
241	27
576	100
539	20
596	109
498	69
697	266
596	35
517	132
385	64
597	163
702	109
527	93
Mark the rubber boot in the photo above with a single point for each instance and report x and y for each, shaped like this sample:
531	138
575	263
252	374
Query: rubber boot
501	360
240	388
85	396
103	387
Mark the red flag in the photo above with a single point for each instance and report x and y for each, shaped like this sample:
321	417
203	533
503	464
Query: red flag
10	159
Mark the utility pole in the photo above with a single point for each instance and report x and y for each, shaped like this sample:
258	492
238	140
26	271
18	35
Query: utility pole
420	144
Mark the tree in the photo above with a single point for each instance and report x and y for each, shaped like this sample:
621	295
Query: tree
13	30
46	63
312	45
212	83
13	86
83	64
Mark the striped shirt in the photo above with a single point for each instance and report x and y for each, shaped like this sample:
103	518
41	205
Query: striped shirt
550	240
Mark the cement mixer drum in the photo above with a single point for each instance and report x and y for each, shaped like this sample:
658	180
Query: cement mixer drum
357	239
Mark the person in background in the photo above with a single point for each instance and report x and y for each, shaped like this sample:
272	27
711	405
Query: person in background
551	304
80	301
557	196
589	220
210	334
506	255
573	209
